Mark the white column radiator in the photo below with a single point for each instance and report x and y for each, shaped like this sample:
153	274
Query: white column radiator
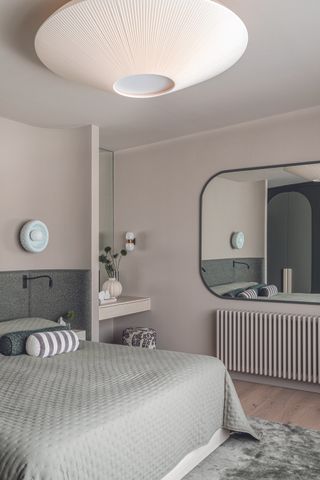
270	344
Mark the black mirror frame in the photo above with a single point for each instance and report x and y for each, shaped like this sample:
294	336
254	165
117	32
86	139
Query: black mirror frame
246	169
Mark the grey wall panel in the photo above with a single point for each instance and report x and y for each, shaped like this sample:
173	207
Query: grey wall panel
219	272
277	239
70	291
290	240
14	300
299	242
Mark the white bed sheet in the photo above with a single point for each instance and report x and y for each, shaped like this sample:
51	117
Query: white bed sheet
190	461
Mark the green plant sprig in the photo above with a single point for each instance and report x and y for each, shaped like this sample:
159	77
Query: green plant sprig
111	261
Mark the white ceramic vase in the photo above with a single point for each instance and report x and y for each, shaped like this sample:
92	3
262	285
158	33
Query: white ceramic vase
113	286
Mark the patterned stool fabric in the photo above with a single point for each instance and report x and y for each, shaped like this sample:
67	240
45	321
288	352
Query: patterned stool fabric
139	337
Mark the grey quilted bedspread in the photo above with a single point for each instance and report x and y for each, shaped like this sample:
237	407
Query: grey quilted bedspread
108	412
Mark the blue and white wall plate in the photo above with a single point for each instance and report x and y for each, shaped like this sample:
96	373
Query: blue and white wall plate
237	240
34	236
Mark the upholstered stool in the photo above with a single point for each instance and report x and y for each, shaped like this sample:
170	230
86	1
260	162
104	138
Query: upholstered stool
139	337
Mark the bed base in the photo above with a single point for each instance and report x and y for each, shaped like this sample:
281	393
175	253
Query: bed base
190	461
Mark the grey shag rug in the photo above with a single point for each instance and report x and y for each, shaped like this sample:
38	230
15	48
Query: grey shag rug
285	452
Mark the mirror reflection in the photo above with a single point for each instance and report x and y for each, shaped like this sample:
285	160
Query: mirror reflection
260	234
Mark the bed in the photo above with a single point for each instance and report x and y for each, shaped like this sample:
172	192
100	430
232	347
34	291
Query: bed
227	289
296	297
110	412
230	290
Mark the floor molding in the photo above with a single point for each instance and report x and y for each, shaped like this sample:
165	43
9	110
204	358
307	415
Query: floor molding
275	382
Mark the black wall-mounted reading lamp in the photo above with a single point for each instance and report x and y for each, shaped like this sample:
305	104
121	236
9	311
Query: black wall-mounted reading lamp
26	279
235	262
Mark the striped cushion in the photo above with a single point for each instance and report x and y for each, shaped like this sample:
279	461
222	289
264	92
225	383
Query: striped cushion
47	344
14	343
268	291
250	293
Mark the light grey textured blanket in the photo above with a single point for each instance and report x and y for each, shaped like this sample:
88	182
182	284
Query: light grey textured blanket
108	412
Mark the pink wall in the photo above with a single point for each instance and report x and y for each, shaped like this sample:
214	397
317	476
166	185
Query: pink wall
46	175
157	189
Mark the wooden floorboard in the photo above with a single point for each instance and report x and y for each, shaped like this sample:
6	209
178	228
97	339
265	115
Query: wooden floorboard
280	404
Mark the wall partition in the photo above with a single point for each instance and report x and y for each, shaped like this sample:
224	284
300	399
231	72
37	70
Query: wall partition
106	204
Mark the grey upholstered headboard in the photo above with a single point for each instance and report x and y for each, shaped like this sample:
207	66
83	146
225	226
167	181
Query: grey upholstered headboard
232	270
70	291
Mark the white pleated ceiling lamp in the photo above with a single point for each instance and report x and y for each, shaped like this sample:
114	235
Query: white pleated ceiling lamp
141	48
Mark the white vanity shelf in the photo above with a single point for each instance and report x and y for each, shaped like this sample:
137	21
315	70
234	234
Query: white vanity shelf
124	306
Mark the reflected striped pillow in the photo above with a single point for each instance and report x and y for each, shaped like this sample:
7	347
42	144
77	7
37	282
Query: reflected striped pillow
250	293
48	344
268	291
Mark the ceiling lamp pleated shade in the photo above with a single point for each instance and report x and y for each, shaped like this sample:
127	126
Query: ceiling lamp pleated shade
141	48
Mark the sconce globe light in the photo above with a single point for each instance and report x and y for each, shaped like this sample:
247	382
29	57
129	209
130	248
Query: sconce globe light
237	240
34	236
130	241
141	48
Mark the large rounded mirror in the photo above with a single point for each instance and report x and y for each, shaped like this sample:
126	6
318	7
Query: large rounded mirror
260	232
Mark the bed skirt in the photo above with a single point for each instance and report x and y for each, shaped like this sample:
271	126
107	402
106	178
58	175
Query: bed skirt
190	461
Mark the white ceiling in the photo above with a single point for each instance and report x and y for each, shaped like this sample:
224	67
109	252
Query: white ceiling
280	72
276	176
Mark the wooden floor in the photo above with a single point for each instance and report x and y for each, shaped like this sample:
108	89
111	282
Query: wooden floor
280	404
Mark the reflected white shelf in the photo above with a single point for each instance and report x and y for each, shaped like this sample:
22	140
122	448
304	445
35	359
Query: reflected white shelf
124	306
